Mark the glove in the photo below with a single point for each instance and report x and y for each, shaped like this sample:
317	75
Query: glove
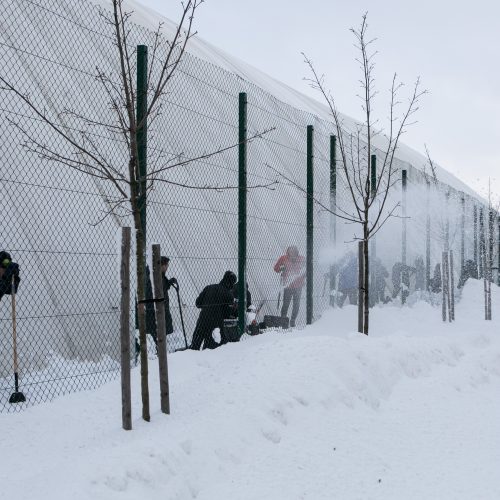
282	268
173	281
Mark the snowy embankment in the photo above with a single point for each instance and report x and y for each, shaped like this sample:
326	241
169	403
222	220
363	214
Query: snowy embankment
410	412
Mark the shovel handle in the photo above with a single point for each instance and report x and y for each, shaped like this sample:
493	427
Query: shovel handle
14	335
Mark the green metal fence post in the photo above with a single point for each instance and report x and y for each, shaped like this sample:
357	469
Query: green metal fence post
142	129
498	256
482	245
462	235
333	207
242	211
404	272
428	240
373	188
447	223
310	226
373	176
476	260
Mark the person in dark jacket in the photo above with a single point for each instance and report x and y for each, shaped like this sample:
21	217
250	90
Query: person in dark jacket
167	283
150	308
8	270
216	304
291	266
235	294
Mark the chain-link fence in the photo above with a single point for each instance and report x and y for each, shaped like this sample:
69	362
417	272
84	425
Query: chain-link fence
61	225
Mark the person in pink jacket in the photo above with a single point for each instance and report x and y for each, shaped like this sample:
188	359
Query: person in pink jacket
291	266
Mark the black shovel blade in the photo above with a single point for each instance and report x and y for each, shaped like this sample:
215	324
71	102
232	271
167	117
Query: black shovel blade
180	349
17	397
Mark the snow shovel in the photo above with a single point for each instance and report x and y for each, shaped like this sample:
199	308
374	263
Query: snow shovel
176	287
17	396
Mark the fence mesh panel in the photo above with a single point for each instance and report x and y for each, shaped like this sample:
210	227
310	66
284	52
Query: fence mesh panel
60	225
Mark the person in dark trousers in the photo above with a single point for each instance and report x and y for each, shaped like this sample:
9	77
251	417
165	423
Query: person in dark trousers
292	269
8	270
150	316
348	279
167	283
216	304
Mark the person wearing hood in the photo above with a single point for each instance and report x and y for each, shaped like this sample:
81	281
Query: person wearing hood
215	302
9	271
167	283
291	266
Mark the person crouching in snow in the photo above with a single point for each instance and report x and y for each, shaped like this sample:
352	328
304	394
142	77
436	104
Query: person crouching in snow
292	269
216	304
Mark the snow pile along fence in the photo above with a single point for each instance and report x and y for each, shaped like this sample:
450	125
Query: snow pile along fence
61	224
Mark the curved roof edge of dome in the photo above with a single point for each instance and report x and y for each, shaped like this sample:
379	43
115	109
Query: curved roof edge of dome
202	49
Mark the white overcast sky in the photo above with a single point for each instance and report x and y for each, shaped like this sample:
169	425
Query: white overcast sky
452	45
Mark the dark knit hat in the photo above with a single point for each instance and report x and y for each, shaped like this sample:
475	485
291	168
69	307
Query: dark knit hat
5	259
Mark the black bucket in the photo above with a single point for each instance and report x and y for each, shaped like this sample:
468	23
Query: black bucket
231	333
276	322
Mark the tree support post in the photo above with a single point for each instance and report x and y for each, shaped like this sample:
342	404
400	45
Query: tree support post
125	329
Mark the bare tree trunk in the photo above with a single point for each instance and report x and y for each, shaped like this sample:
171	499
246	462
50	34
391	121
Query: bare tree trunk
360	286
125	330
141	312
162	337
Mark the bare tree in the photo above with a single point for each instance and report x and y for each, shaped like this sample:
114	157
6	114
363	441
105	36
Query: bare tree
370	207
83	153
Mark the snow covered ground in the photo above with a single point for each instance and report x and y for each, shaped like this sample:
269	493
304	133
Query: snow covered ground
410	412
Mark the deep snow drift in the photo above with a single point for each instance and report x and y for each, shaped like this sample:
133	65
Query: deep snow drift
410	412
